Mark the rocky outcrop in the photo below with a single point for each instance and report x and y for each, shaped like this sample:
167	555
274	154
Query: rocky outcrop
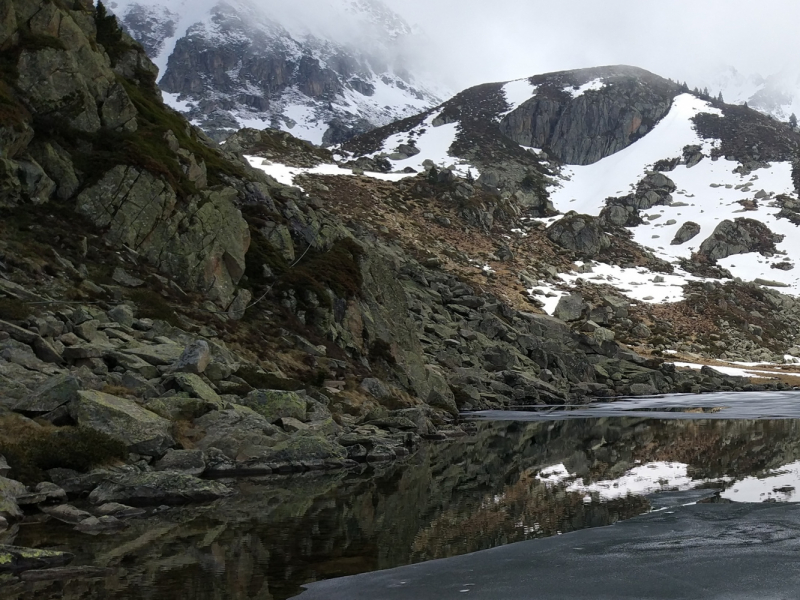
580	233
739	237
84	115
140	430
583	129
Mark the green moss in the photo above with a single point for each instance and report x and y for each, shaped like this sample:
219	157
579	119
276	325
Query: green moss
336	269
12	309
152	305
33	451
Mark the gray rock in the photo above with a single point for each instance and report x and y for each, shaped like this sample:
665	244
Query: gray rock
9	491
56	391
190	462
687	231
194	359
739	237
122	314
126	280
158	355
301	452
641	331
580	233
93	525
141	430
195	386
570	308
276	404
4	468
234	430
375	388
157	488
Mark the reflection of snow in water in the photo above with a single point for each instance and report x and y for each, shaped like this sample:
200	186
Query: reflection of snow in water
781	485
641	480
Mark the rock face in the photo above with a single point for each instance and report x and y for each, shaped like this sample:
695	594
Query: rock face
78	80
687	231
738	237
582	129
141	211
142	431
580	233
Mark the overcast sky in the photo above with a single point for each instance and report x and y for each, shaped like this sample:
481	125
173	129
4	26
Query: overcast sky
495	40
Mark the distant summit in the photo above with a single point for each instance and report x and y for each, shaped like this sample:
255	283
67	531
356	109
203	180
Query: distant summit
323	70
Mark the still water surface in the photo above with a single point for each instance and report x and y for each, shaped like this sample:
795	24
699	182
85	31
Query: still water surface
516	477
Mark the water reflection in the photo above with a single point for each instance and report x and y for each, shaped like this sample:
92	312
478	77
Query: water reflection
451	498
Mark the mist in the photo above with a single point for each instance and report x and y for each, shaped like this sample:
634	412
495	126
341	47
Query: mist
476	41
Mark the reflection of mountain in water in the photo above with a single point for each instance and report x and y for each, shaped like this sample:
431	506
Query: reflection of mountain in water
449	499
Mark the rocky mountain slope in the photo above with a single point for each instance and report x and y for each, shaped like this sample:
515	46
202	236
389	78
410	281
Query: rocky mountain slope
651	189
321	70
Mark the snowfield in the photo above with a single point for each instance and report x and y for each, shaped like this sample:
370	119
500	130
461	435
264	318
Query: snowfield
707	194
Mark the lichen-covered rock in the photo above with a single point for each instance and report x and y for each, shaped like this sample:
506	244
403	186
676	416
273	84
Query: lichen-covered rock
194	359
56	391
201	245
156	488
276	404
236	429
581	233
739	237
687	231
570	308
144	432
195	386
190	462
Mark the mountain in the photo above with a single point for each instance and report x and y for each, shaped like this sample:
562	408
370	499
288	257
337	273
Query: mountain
651	189
776	95
321	70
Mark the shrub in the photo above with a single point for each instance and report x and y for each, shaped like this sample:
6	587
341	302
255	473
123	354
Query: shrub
32	451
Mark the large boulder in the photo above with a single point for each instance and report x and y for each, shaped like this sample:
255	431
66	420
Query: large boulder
570	308
53	393
156	488
276	404
142	431
739	237
236	430
580	233
687	231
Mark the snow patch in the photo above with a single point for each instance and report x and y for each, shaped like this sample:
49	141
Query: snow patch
517	93
593	85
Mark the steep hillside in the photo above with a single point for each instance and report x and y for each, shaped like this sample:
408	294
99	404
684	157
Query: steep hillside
323	72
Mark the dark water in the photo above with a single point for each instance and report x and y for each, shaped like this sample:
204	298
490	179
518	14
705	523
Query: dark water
449	499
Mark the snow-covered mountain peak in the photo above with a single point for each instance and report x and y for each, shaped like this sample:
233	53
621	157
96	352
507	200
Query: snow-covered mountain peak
320	69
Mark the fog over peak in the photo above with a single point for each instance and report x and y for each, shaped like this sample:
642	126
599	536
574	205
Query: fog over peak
475	41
